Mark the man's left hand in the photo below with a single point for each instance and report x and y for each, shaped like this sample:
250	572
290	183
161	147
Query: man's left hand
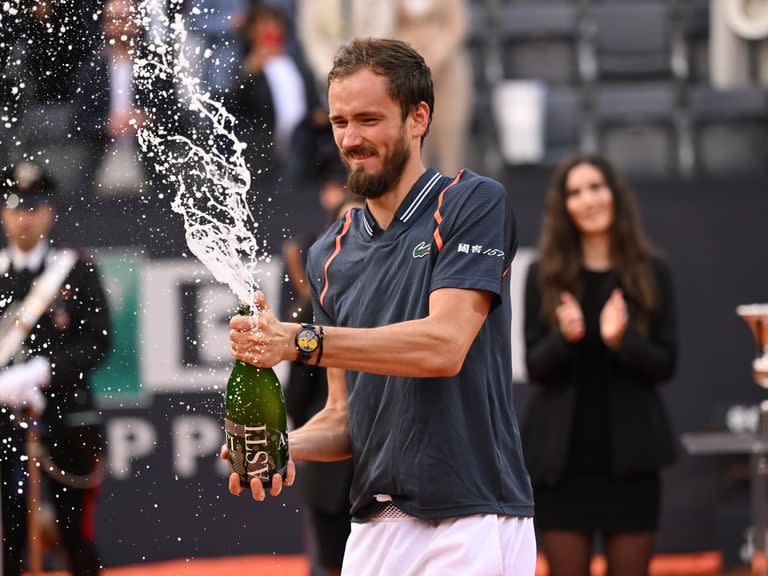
257	488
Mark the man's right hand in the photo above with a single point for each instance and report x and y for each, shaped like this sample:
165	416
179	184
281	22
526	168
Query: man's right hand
262	340
257	489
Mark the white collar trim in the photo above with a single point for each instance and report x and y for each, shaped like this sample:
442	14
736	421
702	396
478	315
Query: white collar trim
367	225
31	260
420	198
414	205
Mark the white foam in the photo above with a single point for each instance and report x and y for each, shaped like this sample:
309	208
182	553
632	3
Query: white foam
209	174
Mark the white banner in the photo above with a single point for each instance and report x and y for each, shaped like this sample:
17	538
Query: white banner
184	325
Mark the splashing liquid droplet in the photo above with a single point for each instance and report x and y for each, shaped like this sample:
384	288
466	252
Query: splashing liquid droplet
206	166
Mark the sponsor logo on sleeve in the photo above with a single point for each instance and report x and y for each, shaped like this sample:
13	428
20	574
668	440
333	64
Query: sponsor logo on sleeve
478	249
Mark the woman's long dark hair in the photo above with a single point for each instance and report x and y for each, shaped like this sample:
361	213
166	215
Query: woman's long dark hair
560	246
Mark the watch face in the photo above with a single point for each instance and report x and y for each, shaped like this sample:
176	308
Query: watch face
307	340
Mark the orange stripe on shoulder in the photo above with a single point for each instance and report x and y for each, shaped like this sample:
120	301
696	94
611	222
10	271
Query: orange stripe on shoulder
439	217
438	239
344	230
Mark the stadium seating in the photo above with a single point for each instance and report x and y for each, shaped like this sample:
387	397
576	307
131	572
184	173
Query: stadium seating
636	126
730	130
628	78
632	39
694	22
563	123
540	41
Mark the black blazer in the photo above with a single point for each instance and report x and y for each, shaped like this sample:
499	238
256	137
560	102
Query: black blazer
641	435
74	335
250	101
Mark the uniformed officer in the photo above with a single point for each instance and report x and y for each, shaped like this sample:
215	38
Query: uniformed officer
54	330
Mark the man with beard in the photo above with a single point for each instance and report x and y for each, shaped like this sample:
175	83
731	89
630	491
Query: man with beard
412	316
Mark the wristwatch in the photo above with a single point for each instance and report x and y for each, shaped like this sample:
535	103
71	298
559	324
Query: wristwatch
308	339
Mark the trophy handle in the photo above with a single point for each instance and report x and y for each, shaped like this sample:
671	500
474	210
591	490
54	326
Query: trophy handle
756	317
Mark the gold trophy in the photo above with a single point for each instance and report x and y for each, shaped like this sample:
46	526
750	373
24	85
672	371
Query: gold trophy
756	316
752	444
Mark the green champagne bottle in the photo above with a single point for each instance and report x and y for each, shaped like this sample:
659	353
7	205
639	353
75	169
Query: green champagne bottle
255	423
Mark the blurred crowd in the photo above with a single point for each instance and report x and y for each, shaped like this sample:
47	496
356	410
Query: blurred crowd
67	96
68	99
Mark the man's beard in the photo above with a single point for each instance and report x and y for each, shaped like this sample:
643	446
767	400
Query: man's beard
376	184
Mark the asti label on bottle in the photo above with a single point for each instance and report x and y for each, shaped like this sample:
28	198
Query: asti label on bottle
253	450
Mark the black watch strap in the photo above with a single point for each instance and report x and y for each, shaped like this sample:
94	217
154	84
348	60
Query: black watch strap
321	334
309	339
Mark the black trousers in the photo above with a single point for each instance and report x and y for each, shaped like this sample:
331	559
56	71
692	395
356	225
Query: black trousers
74	513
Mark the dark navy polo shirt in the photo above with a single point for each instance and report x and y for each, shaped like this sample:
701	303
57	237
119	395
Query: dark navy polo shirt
441	447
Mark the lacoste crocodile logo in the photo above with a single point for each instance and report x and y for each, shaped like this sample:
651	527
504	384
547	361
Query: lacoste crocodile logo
422	250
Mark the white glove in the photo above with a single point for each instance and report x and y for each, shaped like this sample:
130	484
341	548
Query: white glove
20	384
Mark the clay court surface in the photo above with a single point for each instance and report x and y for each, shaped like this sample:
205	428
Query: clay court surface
242	565
701	564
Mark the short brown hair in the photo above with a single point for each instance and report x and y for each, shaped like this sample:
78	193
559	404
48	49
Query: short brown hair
408	76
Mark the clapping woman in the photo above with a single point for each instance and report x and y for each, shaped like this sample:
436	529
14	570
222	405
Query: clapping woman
600	330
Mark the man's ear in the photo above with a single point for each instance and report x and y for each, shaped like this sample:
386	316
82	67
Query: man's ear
420	119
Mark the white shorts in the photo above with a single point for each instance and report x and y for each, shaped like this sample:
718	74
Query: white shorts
483	545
